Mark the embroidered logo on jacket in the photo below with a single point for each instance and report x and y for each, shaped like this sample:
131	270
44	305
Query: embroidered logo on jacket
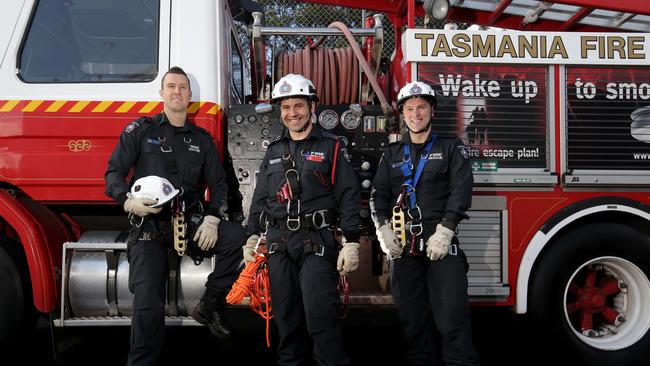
194	148
131	126
315	156
464	151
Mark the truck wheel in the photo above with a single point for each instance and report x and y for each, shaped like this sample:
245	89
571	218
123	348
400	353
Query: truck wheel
17	314
590	293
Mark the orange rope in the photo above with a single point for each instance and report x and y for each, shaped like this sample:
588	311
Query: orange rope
254	283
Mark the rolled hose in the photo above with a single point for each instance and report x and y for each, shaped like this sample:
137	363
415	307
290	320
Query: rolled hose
334	72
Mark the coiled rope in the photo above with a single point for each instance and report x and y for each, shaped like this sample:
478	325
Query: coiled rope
253	282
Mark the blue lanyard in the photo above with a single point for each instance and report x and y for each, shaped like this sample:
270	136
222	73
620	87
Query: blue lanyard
407	167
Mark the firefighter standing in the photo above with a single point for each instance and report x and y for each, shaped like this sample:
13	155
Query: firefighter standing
423	186
168	146
305	183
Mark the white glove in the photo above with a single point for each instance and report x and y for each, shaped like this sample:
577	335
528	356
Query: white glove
438	243
140	206
348	260
207	234
249	248
388	241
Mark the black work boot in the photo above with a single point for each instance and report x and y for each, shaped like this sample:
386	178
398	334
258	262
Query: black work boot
209	312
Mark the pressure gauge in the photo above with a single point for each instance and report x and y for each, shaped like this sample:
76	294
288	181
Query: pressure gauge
350	120
328	119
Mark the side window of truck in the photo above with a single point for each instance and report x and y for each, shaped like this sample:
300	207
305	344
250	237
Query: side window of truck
90	41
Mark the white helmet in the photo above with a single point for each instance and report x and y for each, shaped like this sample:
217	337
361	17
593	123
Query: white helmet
416	89
156	188
291	86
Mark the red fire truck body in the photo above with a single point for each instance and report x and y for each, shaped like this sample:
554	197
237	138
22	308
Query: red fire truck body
552	98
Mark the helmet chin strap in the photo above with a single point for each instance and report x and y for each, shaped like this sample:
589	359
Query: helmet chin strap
311	120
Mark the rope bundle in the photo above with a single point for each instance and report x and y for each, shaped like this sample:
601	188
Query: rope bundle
254	283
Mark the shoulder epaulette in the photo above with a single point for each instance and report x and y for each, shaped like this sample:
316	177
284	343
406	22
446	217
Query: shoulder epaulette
447	135
134	125
274	142
330	135
198	129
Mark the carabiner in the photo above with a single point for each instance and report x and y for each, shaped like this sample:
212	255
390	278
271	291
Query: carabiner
418	229
293	224
419	213
133	221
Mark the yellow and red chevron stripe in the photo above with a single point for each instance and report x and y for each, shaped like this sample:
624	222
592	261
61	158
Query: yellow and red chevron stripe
92	107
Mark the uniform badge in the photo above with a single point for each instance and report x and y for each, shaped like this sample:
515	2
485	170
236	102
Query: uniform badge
285	88
167	189
194	148
131	127
346	155
415	90
464	151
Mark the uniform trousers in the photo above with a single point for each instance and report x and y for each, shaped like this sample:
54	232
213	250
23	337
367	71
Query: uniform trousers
148	273
433	306
305	297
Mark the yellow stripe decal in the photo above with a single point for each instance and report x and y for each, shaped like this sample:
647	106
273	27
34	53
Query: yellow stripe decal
213	110
149	107
79	106
55	106
31	106
194	107
101	106
9	106
125	107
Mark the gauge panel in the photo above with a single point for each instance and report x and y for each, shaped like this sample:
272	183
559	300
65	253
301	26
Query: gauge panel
328	119
350	120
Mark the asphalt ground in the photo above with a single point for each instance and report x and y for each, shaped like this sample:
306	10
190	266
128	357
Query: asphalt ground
372	337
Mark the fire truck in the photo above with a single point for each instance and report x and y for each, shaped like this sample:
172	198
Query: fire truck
551	97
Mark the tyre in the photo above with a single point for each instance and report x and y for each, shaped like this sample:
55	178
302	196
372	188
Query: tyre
589	295
17	314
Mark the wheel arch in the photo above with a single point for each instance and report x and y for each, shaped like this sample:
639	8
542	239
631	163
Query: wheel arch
41	234
605	209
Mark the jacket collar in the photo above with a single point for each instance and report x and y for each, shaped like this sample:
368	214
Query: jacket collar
315	133
162	119
407	138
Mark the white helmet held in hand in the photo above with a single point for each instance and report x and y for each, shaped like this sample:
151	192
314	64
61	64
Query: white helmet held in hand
416	89
156	188
293	86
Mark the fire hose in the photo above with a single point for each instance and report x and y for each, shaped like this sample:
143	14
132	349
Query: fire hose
334	72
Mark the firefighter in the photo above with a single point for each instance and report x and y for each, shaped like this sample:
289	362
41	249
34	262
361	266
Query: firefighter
422	187
168	146
306	185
